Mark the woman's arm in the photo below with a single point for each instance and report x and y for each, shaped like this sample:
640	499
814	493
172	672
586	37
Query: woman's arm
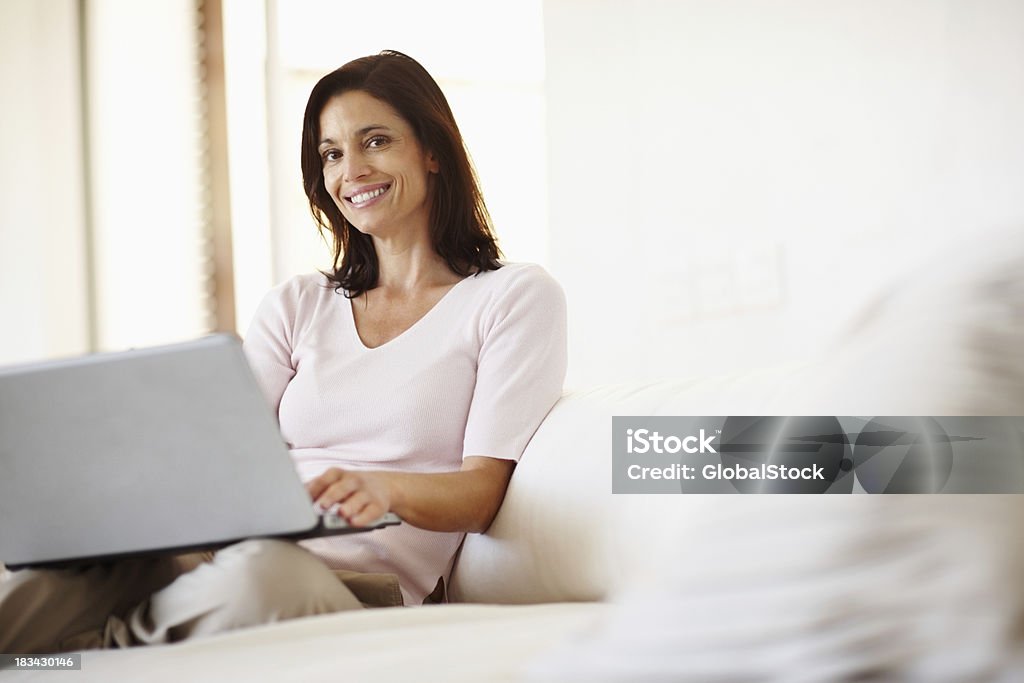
467	500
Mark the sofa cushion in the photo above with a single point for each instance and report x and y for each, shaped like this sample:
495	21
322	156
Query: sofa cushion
561	534
451	643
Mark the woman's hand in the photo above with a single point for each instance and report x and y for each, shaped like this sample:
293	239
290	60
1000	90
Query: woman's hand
466	500
362	496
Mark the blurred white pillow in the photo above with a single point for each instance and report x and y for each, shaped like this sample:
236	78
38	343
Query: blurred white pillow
801	589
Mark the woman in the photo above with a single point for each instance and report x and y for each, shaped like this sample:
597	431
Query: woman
408	379
411	377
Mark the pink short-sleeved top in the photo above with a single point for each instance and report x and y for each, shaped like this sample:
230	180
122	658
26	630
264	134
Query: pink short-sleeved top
474	376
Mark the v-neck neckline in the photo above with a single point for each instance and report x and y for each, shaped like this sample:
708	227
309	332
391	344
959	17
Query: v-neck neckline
406	331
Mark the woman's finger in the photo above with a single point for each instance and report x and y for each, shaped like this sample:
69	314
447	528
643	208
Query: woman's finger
354	504
339	490
369	513
316	487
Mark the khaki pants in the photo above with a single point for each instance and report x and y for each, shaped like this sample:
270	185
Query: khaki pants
171	598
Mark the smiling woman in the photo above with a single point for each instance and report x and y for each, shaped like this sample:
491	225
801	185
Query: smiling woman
410	378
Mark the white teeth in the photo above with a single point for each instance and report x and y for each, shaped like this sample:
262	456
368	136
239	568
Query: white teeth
367	196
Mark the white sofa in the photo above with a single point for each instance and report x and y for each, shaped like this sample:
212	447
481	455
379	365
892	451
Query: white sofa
574	583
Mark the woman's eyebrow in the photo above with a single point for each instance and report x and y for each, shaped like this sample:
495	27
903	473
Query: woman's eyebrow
359	133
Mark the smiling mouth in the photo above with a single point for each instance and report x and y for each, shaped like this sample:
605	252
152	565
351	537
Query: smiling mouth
364	197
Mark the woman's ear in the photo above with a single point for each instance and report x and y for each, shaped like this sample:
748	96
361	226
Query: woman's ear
433	165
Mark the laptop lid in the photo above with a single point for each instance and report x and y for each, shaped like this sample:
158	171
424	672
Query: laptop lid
167	448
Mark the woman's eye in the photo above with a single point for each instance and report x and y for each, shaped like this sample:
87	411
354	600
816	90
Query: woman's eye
330	155
377	141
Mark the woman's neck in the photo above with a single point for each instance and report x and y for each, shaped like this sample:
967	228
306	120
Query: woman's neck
410	267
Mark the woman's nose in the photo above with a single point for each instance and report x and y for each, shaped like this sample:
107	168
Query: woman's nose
355	166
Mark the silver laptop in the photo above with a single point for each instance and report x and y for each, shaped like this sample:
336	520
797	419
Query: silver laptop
168	449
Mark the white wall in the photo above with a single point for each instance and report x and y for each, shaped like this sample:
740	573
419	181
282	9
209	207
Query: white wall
728	180
42	230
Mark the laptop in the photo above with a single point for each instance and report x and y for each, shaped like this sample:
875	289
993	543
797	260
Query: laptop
160	450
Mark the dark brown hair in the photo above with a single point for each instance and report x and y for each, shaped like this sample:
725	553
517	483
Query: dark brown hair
460	227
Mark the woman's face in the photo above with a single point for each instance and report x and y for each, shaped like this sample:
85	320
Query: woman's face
374	167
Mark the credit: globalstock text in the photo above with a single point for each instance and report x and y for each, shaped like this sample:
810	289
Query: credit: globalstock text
677	471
